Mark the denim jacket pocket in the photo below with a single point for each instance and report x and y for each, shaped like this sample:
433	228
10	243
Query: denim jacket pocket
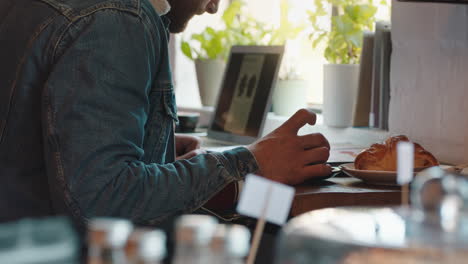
160	125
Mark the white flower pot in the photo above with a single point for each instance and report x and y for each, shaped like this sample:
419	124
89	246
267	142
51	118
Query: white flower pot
209	76
340	84
289	96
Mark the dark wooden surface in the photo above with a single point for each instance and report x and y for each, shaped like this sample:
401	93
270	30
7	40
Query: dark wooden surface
342	191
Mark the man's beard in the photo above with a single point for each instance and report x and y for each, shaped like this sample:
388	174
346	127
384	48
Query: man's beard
178	22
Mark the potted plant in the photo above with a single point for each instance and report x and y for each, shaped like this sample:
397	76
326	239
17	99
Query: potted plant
209	49
209	61
343	40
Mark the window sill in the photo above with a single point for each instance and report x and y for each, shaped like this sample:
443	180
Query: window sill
362	137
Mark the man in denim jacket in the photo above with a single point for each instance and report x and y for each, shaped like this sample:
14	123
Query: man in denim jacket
87	116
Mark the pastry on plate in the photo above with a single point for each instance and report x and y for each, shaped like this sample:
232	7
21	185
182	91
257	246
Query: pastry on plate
383	157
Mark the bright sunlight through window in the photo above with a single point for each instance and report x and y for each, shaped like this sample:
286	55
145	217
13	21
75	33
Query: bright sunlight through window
300	59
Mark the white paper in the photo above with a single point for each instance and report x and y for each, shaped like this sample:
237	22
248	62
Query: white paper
253	200
405	163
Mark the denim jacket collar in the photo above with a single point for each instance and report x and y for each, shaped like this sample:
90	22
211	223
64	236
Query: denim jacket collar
161	6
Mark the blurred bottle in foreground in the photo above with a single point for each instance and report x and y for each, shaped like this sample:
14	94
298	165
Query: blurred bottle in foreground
441	199
230	244
106	240
146	246
194	234
39	241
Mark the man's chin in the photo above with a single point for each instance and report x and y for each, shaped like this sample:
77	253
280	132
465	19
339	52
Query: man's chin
178	22
177	27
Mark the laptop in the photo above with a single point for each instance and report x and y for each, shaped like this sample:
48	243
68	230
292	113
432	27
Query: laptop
244	98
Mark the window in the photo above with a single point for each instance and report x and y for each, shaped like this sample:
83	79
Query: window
300	55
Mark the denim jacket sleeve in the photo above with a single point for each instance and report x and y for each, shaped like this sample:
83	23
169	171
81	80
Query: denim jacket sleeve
96	106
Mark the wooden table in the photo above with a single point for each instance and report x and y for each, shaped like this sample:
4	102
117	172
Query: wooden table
342	191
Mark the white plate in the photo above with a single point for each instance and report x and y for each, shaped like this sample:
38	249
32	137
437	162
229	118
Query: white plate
372	176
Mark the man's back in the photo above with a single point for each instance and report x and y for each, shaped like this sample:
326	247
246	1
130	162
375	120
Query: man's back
24	188
29	35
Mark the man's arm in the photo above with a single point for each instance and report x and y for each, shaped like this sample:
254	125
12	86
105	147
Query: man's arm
95	110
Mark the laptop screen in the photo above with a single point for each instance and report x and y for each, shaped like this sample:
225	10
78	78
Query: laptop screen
244	98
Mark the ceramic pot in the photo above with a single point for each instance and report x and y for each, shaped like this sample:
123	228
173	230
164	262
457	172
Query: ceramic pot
340	84
209	77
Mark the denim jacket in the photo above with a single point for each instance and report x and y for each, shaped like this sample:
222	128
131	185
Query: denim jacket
87	115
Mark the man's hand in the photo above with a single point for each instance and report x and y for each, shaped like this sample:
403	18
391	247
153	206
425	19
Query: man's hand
285	157
187	146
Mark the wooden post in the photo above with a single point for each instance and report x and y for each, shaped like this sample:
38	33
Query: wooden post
405	195
259	229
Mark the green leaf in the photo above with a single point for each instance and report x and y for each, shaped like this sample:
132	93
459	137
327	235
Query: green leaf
231	12
319	39
210	31
198	37
185	46
342	24
215	48
356	38
361	13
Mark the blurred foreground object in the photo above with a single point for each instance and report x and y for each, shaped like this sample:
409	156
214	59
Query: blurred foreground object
146	246
441	198
201	240
433	230
106	240
194	234
39	241
230	244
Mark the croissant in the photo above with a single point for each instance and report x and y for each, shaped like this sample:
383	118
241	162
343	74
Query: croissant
383	157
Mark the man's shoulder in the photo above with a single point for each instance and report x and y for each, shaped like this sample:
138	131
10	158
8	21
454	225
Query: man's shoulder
74	9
